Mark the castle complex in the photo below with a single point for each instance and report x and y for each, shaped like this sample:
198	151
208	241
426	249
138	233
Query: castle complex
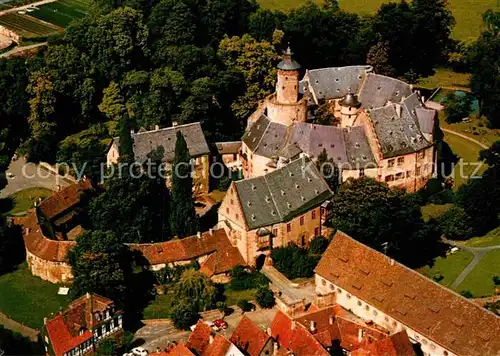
375	126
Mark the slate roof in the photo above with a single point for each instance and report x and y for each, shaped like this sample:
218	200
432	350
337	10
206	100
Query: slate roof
249	338
426	119
145	142
437	313
224	148
397	134
378	89
334	83
282	194
265	137
358	151
63	330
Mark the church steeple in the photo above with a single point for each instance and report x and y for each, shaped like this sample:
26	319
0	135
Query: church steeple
287	87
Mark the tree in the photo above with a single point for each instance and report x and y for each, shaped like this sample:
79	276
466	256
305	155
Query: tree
101	264
107	348
265	297
184	314
378	58
485	78
112	104
456	224
242	278
329	170
457	107
385	219
467	294
12	250
263	22
183	220
244	305
134	209
318	245
257	62
294	262
197	289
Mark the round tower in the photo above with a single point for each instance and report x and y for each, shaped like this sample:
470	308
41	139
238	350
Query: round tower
287	87
349	108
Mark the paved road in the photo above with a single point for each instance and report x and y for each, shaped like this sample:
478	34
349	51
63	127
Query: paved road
24	7
287	288
29	175
478	253
22	49
158	334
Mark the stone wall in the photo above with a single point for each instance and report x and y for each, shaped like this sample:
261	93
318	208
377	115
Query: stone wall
54	272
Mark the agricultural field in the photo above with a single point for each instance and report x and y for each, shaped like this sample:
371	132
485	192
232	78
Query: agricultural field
467	13
62	12
28	27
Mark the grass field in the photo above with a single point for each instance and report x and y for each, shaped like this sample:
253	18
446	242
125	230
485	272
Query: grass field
492	238
468	13
433	210
24	199
448	267
444	77
27	26
28	299
62	12
479	281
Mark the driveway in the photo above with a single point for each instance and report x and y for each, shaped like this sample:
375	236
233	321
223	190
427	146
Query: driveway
291	291
158	333
30	175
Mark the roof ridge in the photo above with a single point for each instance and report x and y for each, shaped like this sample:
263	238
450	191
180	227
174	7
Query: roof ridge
263	133
272	196
167	128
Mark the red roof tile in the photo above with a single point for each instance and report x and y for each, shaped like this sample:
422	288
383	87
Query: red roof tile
200	337
61	338
396	345
249	338
64	199
218	347
179	350
437	313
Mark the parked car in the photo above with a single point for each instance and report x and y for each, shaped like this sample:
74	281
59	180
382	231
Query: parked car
139	351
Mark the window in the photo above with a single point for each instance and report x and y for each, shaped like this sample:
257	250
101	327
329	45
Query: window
227	210
359	303
232	201
313	214
408	174
389	178
417	171
339	291
361	172
316	231
301	220
288	227
349	296
390	163
401	161
421	155
323	282
367	307
275	232
375	313
400	175
237	216
332	287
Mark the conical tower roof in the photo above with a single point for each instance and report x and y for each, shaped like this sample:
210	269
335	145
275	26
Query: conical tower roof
288	63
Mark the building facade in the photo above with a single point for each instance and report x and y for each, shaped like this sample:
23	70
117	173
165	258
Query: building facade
379	126
82	326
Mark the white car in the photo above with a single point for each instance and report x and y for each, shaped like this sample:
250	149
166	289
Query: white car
139	351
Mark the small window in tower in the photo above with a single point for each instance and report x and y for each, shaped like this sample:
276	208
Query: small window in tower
283	88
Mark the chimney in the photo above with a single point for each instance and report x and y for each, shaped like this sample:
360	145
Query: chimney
87	295
198	234
27	231
423	99
312	327
398	110
360	335
392	261
58	187
294	324
157	127
174	123
211	231
45	320
269	332
211	339
275	349
331	319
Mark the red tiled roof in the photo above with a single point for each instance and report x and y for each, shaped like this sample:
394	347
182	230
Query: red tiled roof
218	347
192	247
349	334
396	345
63	330
200	337
178	350
64	199
432	310
223	260
249	338
295	337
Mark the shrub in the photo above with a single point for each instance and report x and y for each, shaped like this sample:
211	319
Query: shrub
265	297
294	262
318	245
457	107
455	224
184	315
242	279
467	294
245	305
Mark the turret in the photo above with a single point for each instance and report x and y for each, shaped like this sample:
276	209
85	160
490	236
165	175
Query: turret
287	87
349	108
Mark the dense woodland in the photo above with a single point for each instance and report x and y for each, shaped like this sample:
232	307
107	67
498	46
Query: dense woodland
138	63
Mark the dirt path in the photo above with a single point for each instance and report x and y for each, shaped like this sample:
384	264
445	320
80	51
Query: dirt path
24	7
21	49
465	137
13	325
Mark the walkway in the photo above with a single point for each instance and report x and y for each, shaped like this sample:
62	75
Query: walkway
292	292
478	253
22	49
13	325
465	137
24	7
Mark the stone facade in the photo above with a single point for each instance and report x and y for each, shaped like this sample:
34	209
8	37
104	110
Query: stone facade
51	271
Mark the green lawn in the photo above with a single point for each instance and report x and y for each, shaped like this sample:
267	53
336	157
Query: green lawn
475	129
25	199
233	296
479	281
448	267
28	299
430	211
492	238
469	153
444	77
468	13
